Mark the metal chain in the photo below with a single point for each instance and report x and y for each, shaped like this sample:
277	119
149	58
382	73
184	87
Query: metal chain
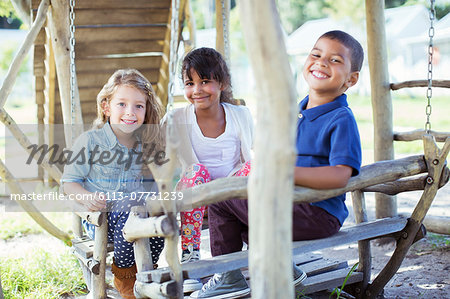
226	45
172	62
430	67
72	64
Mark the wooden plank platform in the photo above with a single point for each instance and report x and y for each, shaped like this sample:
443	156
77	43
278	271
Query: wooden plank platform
368	230
328	280
85	247
322	273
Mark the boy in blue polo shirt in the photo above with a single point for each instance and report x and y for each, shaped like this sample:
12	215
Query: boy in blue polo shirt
328	144
329	153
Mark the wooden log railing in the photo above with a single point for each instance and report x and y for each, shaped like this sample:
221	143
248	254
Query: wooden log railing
419	83
405	231
236	187
435	160
384	176
418	134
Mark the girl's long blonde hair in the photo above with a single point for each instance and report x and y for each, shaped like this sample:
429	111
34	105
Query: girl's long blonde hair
148	132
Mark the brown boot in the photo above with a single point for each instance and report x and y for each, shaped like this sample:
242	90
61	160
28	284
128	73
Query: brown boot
124	279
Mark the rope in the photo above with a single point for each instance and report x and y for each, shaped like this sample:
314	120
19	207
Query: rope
430	67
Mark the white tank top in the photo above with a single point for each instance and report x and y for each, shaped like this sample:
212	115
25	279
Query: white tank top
220	155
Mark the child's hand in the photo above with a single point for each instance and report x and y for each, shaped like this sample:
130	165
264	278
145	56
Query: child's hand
97	203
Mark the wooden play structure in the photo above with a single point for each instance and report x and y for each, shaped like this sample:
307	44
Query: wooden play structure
97	37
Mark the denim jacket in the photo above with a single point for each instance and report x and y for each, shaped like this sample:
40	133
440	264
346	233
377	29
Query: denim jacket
100	163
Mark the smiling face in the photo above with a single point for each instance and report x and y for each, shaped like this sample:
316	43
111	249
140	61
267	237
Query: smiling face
327	69
126	109
203	93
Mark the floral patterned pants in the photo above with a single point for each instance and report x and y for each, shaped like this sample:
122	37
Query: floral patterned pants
191	220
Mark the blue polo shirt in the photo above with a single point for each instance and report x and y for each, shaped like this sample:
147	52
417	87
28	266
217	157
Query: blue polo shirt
327	135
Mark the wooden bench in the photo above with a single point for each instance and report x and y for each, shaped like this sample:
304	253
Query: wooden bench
389	177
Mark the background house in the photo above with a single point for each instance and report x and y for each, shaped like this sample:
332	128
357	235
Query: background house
407	38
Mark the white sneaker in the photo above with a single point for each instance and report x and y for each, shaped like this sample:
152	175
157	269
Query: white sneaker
191	255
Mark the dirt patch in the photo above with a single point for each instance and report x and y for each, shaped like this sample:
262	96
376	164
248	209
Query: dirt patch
424	272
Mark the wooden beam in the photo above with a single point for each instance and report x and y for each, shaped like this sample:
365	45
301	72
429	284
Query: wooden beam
94	79
58	23
236	187
164	176
142	249
347	235
107	48
419	83
335	278
13	70
123	16
190	21
223	28
27	145
385	206
99	254
418	135
271	182
137	227
407	184
112	64
94	34
435	159
28	206
437	224
364	250
23	9
120	4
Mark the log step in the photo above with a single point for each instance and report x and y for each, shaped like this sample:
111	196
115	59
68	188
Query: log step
85	247
328	280
227	262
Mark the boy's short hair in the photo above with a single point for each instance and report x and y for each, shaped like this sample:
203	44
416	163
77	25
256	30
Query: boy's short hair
357	52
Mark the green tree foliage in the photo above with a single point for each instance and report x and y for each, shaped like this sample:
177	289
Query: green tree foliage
6	8
293	13
7	11
353	9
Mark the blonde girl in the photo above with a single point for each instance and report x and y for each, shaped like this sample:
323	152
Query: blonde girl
110	164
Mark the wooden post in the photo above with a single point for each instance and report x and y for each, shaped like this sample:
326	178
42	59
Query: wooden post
365	257
100	250
223	30
142	249
22	7
386	206
58	23
271	180
190	21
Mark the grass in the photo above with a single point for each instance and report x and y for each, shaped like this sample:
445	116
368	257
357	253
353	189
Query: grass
41	274
16	224
438	241
408	114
